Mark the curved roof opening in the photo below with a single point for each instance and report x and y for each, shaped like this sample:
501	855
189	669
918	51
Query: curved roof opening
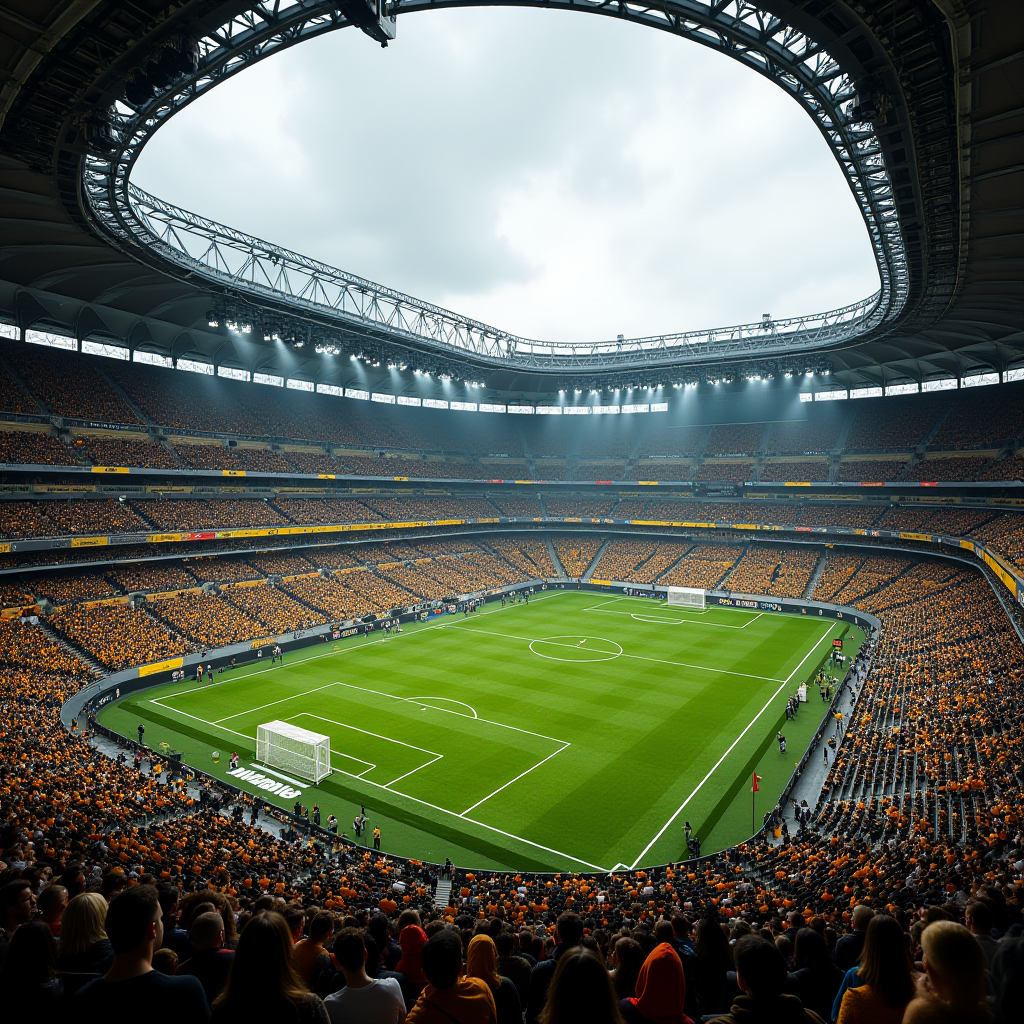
557	176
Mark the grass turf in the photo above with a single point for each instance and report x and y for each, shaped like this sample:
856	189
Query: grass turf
579	731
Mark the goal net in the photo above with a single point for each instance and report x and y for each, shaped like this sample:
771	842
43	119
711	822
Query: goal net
686	597
304	753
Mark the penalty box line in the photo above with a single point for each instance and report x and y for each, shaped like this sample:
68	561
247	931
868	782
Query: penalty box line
424	803
732	746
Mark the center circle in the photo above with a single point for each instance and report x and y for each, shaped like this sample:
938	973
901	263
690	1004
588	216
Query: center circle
576	648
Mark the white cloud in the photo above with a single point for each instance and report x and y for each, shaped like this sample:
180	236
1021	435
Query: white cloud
554	175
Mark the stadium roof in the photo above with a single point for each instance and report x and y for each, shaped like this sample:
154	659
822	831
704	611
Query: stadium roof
915	98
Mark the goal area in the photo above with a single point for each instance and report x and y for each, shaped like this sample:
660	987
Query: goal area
304	753
686	597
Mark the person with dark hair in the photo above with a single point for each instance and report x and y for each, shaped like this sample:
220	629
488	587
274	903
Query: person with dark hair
660	990
17	901
714	962
629	958
131	987
580	990
449	997
28	980
568	932
210	961
761	977
263	983
879	990
311	959
482	962
979	919
516	968
1008	982
815	979
174	937
363	1000
51	904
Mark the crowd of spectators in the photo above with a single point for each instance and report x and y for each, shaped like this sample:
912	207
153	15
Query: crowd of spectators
705	565
919	825
807	469
576	553
34	447
108	450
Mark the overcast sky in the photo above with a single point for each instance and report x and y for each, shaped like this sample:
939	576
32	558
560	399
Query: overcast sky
555	175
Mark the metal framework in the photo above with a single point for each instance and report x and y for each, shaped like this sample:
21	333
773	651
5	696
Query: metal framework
255	271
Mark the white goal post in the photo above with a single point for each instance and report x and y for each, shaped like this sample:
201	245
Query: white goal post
686	597
304	753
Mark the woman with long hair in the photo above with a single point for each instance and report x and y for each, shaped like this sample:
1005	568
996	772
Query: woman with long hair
714	961
815	979
660	990
629	958
581	991
885	978
953	988
85	951
263	983
482	962
29	982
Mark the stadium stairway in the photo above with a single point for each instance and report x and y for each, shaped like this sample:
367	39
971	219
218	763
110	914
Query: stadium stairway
596	559
553	554
70	645
815	576
442	893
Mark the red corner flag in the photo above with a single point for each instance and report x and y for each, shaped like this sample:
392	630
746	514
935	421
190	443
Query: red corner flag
757	779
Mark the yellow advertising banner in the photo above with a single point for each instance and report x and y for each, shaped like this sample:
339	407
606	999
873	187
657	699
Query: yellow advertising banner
160	666
916	536
109	469
996	566
89	542
232	472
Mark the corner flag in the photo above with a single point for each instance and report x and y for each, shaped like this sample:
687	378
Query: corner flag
757	779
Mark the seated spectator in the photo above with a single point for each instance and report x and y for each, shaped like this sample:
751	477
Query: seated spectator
660	990
17	901
482	962
412	939
878	991
51	904
1008	981
311	959
849	947
448	996
568	932
263	983
815	979
131	987
629	958
516	968
761	977
363	1000
580	990
953	989
29	982
979	920
85	950
210	961
165	961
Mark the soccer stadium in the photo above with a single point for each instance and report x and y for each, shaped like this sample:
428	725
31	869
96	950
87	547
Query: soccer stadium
363	661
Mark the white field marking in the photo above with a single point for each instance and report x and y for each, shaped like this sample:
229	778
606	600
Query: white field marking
682	806
414	771
448	711
214	725
450	700
550	640
355	728
639	657
270	704
647	601
270	771
424	803
329	654
510	781
678	622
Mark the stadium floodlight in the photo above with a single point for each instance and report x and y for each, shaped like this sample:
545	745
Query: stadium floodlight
299	751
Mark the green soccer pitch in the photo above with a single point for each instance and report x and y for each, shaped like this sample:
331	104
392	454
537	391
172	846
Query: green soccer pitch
577	732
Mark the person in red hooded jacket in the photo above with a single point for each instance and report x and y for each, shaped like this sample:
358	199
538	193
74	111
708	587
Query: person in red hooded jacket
412	939
660	990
